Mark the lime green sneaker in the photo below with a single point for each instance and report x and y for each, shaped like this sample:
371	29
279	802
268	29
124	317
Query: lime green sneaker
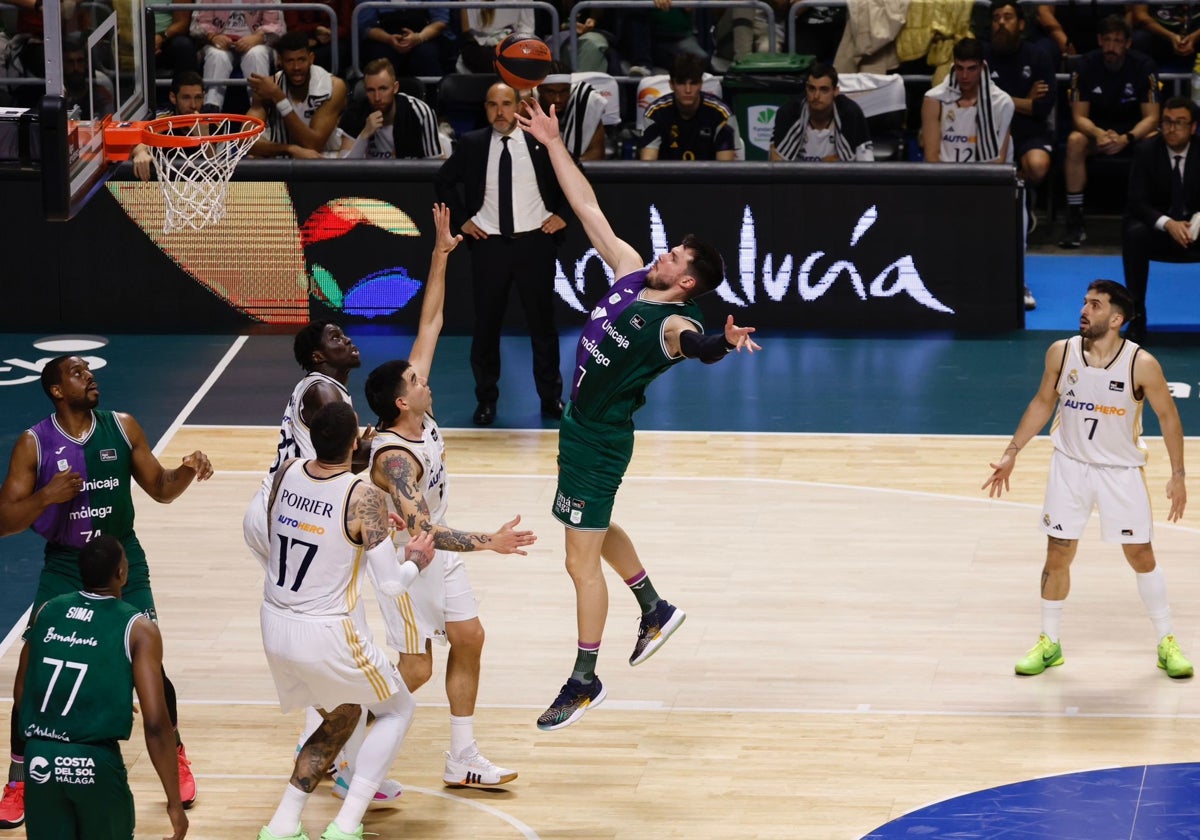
266	834
1045	654
1172	660
335	833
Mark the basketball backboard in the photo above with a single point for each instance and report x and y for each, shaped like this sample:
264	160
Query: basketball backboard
96	70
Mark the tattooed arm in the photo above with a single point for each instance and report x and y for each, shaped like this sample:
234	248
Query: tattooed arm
397	472
367	519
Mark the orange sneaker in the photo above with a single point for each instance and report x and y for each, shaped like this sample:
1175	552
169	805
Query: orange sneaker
187	782
12	806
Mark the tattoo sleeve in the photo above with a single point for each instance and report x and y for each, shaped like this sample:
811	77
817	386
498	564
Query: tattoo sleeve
372	515
402	474
449	539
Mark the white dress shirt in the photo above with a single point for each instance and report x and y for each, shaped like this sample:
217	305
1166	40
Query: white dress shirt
529	211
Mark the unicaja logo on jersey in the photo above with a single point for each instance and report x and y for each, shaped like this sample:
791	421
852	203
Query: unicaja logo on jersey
39	770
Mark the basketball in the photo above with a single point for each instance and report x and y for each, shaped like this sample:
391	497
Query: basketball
522	61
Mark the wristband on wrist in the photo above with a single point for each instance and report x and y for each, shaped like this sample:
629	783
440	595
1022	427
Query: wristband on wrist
285	107
1129	136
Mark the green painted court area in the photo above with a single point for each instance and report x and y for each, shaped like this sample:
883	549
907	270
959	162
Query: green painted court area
903	384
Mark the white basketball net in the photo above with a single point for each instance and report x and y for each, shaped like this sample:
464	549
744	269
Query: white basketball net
195	179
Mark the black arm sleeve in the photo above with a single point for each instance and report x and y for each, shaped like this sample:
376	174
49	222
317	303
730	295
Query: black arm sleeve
706	348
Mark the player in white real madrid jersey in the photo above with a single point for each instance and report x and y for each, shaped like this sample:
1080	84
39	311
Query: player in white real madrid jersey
325	527
1098	380
408	463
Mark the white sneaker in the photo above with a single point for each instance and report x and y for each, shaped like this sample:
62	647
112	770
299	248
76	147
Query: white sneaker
474	770
389	791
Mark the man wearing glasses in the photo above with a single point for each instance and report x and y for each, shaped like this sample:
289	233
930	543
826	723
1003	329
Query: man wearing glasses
1164	197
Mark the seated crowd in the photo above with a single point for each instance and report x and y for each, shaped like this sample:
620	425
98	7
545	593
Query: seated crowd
371	88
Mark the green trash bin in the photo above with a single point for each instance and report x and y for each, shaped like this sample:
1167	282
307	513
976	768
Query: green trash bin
755	88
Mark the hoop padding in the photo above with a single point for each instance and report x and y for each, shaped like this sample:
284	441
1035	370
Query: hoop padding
195	156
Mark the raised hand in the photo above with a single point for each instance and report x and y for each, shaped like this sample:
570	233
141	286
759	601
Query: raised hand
543	126
441	220
739	337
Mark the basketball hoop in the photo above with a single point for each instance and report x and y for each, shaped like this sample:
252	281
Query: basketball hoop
195	156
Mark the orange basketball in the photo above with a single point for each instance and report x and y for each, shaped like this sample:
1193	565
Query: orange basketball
522	61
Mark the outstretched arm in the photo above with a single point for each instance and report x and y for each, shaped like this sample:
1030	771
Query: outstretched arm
619	255
1148	375
683	339
161	484
1037	414
430	326
397	473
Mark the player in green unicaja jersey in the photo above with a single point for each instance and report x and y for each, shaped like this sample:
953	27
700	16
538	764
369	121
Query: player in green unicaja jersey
84	653
70	480
646	322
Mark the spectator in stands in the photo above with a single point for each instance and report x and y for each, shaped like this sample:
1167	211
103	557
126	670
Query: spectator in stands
483	29
393	124
593	40
186	97
819	31
1164	199
825	125
315	24
301	105
415	37
1167	33
1061	31
580	108
174	49
744	30
966	118
92	93
1027	76
32	54
687	123
237	38
1114	103
655	38
501	191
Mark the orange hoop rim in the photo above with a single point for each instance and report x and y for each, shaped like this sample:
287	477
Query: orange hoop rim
159	132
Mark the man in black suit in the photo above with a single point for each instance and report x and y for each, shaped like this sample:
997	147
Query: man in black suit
1164	194
510	210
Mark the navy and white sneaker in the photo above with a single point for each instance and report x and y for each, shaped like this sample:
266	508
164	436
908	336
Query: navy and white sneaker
654	630
573	700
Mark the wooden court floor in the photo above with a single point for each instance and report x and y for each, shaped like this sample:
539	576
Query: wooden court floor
855	606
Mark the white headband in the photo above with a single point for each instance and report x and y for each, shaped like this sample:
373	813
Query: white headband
557	79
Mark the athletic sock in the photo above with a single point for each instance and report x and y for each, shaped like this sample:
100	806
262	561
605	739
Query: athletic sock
1051	618
16	768
1152	586
585	662
643	590
286	822
462	734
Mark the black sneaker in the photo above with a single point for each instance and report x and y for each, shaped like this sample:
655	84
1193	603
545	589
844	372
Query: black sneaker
654	630
1076	232
572	701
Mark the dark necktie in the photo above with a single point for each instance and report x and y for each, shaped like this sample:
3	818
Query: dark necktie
506	195
1178	205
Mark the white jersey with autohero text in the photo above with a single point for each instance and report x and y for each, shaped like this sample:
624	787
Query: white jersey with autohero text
430	452
960	143
315	569
1099	420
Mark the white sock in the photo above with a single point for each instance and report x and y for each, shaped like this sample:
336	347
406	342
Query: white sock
1051	618
1152	586
349	753
379	749
462	735
286	821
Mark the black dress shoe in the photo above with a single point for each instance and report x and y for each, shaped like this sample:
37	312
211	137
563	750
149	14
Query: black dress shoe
552	409
485	414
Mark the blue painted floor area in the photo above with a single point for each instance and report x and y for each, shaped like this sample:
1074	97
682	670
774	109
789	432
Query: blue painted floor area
1059	282
1127	803
150	377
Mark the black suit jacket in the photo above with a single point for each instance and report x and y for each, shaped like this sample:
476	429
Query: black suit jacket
467	167
1150	180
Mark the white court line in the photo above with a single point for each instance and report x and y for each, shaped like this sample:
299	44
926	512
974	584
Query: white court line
176	424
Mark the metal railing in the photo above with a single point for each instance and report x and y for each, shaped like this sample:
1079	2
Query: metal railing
573	18
451	4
